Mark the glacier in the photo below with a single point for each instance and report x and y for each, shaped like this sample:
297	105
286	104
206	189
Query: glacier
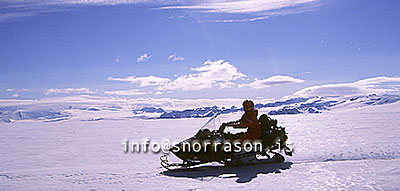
351	146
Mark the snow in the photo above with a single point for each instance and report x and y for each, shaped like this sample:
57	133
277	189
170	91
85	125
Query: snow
90	108
349	148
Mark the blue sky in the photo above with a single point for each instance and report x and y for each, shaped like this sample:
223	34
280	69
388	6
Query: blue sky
199	49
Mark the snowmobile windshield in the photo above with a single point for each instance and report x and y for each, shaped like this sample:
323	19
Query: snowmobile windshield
213	123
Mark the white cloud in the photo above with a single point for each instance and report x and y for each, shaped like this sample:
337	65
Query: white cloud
101	2
379	85
23	90
158	93
217	73
212	74
175	57
118	59
71	2
223	85
245	10
126	92
241	6
16	95
69	91
274	80
18	90
142	81
14	9
143	57
239	20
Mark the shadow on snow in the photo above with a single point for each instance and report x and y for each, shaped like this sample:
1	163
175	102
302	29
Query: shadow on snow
243	173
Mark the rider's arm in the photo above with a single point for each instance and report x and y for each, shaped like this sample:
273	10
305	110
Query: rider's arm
231	124
241	125
247	120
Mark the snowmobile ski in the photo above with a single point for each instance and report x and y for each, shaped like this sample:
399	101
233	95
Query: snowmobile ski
174	166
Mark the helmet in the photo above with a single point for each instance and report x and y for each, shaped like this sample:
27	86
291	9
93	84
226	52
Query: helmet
248	105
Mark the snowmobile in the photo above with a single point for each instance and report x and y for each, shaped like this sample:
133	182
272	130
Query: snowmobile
208	145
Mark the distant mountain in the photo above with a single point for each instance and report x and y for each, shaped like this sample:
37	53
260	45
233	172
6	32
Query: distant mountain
47	115
290	106
318	104
210	111
197	113
92	112
280	103
148	110
285	110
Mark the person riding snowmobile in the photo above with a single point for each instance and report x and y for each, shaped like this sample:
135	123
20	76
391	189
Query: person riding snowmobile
249	120
265	130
